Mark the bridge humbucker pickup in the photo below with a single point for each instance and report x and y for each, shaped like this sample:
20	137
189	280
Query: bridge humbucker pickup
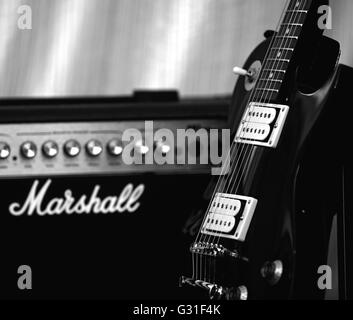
229	216
262	124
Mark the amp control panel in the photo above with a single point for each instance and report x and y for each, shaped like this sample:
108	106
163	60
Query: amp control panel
70	148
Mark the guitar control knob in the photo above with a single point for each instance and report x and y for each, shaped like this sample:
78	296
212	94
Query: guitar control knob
141	148
241	72
94	148
272	271
4	150
72	148
28	150
50	149
114	147
242	293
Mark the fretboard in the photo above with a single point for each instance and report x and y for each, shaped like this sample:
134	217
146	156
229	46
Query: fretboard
278	58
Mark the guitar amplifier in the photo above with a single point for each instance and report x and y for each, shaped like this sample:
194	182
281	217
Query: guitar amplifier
78	222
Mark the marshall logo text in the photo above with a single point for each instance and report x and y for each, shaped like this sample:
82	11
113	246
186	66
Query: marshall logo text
127	201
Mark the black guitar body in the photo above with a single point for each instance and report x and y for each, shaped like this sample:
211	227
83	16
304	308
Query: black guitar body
281	228
293	184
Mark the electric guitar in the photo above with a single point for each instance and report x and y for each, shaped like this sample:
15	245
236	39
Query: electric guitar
248	242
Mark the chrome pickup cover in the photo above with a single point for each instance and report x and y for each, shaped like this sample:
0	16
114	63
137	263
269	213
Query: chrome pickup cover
229	216
262	124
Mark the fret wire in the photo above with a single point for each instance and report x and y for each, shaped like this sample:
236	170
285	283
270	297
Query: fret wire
279	48
275	70
271	64
278	60
292	24
288	37
266	89
269	79
271	76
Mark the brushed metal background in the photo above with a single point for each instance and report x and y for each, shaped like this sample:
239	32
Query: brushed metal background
111	47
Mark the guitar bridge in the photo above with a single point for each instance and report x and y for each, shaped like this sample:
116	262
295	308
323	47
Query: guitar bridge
216	292
262	124
213	250
229	216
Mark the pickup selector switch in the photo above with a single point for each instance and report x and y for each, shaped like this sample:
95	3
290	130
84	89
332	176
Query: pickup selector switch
272	271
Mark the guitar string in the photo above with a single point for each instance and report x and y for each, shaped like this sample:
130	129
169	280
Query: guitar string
223	179
279	62
199	232
275	66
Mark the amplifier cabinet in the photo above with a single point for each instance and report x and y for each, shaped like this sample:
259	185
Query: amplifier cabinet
96	253
76	222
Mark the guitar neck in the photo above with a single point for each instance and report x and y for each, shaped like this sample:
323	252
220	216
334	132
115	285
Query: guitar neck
282	50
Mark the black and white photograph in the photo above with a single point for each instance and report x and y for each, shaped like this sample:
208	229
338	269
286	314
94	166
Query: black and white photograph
173	155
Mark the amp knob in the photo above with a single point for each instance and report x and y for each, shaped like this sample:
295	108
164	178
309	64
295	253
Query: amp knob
94	148
50	149
162	147
114	147
141	148
72	148
28	150
4	150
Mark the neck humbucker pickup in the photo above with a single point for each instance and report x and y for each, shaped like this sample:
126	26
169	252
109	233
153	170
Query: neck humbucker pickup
229	216
262	124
